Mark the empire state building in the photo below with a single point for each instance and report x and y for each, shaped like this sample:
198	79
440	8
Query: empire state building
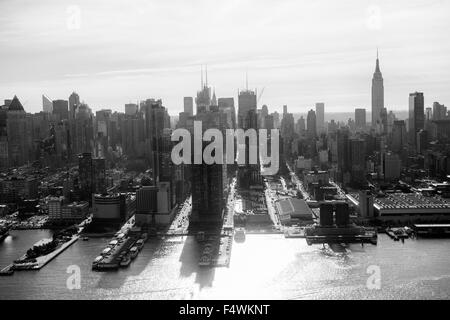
377	95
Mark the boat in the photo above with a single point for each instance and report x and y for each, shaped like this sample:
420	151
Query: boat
107	266
126	260
144	236
397	233
7	271
85	238
134	252
106	251
294	233
4	232
140	244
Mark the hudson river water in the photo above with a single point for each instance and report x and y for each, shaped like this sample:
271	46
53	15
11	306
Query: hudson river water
262	267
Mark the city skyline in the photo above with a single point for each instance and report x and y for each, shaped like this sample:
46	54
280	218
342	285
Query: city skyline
60	55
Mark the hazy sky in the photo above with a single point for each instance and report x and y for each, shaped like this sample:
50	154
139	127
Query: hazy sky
302	52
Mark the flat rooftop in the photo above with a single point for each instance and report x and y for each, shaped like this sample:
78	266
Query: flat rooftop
432	225
411	203
294	207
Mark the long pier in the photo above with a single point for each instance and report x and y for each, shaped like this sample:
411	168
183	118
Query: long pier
43	260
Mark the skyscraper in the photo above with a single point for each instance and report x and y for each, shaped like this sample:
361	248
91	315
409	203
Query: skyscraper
311	123
416	116
357	160
246	103
74	102
320	117
131	109
91	175
248	119
209	181
360	118
47	104
203	99
18	132
399	137
189	105
439	111
377	95
60	108
226	105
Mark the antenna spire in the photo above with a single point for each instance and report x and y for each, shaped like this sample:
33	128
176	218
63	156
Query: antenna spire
246	80
206	66
201	77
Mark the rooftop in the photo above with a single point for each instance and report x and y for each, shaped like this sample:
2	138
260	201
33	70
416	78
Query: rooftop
411	201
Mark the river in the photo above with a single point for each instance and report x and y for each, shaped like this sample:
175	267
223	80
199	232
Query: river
262	267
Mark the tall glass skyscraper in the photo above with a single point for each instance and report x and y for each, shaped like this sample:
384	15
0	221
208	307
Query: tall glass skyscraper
416	116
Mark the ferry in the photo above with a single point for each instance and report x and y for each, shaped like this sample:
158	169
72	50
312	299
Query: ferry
134	252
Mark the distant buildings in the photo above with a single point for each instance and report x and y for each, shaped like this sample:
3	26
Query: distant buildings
131	109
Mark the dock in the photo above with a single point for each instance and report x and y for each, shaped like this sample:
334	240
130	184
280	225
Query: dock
43	260
432	230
